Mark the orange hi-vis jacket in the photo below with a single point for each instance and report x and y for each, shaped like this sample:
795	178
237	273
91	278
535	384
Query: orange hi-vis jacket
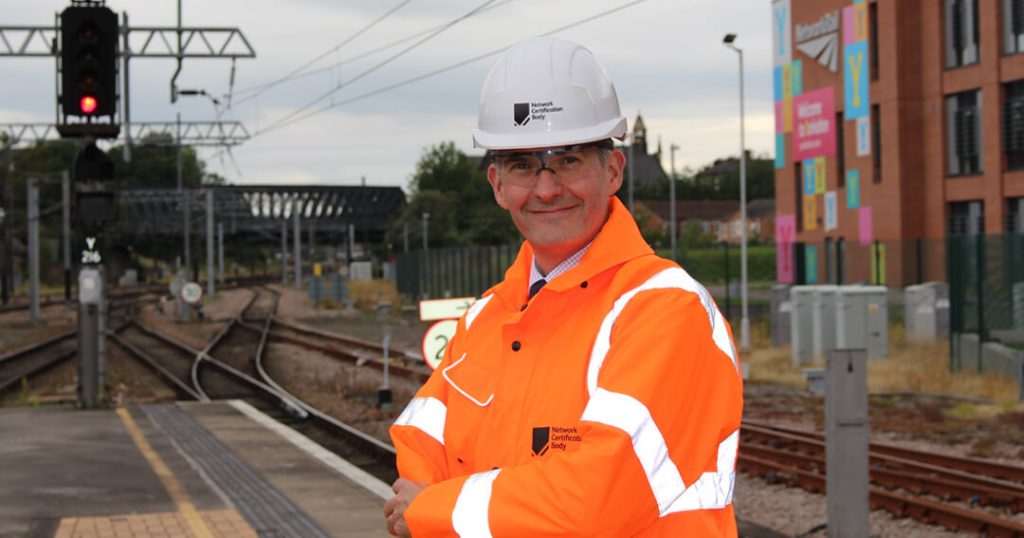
609	404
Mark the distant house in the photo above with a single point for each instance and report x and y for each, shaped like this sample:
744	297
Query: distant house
760	222
721	218
713	215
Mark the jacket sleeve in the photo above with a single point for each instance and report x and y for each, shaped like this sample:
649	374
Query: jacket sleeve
418	433
659	438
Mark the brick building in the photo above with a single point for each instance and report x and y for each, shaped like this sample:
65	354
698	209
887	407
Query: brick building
898	123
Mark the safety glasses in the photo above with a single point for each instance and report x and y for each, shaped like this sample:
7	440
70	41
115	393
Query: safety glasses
569	164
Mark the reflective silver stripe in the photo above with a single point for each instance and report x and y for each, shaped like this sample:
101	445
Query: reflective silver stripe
425	414
475	309
631	416
713	490
469	517
669	278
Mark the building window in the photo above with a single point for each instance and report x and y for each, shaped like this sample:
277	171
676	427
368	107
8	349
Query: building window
966	218
963	126
876	143
1013	26
1015	216
961	32
840	150
873	39
1013	124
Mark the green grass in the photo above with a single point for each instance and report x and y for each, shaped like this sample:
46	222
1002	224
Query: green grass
708	264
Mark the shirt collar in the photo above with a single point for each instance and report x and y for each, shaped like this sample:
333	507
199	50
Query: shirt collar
567	264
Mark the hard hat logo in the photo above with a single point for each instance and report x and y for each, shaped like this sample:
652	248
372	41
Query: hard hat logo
524	112
521	113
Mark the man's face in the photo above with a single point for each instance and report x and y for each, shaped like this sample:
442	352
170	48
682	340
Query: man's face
558	199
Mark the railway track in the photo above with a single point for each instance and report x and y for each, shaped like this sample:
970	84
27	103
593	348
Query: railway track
234	365
23	364
402	363
928	487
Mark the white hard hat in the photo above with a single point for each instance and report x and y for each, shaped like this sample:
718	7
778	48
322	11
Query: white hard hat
547	92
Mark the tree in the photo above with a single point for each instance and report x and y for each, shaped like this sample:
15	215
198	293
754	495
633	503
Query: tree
448	185
154	165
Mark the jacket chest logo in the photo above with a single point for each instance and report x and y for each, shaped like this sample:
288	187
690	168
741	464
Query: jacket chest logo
555	438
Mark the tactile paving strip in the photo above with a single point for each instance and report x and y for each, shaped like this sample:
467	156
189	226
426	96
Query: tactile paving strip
270	512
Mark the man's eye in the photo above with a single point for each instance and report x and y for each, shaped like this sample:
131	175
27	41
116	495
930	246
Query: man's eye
520	165
570	160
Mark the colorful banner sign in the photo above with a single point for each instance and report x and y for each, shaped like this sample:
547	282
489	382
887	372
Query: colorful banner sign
855	24
796	71
820	173
831	211
878	264
787	81
811	264
809	169
782	33
810	213
852	189
780	151
866	236
855	80
777	83
785	235
814	130
864	136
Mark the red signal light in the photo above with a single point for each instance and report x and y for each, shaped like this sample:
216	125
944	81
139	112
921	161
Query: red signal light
88	104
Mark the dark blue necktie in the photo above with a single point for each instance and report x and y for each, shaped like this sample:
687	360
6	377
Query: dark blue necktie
536	287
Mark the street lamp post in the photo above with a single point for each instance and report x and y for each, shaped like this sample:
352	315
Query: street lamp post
745	320
672	202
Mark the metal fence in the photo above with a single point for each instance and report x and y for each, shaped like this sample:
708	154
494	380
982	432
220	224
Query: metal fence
883	262
453	272
986	292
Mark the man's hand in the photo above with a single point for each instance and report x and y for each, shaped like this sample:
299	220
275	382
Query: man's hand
394	509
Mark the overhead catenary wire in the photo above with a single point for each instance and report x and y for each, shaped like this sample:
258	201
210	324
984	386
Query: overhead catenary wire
248	92
264	87
285	119
294	117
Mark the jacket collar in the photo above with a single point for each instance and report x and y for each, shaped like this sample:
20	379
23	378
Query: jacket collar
617	242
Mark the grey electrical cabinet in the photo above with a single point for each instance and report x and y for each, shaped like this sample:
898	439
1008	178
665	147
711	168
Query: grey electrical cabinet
823	319
926	311
781	313
862	319
801	324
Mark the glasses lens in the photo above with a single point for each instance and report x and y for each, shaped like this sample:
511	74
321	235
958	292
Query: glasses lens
523	168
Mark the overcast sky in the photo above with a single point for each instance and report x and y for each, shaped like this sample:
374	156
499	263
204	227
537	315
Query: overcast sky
665	57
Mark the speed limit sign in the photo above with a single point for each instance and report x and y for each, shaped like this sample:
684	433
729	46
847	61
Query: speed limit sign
435	341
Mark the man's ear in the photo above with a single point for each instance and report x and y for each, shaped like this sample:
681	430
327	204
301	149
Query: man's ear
496	186
615	164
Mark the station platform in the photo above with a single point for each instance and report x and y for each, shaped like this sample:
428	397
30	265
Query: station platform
219	469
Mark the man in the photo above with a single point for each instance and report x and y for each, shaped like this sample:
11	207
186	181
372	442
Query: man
593	392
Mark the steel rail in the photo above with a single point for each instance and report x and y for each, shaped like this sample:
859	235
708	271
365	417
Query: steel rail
374	443
973	465
817	446
924	510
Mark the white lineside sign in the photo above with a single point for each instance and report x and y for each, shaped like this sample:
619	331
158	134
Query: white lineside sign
445	314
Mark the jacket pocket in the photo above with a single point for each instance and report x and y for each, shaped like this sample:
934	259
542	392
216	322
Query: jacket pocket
471	380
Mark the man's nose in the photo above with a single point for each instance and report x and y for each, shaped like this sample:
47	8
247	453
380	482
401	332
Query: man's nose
547	186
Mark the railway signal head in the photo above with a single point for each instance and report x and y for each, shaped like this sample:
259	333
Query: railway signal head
89	53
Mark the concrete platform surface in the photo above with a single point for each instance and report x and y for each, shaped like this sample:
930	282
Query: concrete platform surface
215	469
